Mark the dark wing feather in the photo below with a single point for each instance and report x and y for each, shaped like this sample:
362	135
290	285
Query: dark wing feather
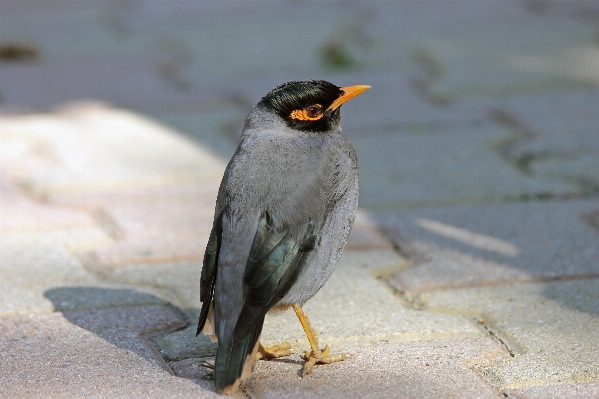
231	356
276	262
209	270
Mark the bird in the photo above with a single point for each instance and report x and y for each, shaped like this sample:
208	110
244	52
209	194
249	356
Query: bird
284	210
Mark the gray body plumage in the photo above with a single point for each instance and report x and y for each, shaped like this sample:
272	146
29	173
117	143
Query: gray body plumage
285	207
296	177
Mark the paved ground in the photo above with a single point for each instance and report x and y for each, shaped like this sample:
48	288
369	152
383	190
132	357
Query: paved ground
473	268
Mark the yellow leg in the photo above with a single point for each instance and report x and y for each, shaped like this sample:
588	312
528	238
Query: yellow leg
315	356
273	351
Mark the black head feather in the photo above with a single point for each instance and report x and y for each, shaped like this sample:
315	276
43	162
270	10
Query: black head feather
293	96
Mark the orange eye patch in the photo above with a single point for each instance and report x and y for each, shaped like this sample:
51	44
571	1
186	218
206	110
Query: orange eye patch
310	113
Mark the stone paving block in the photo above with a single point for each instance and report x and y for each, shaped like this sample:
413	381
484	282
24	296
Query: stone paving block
102	353
86	141
33	262
184	344
40	274
493	244
355	307
573	391
582	169
551	329
439	368
364	238
555	134
178	282
157	224
445	166
20	213
560	122
193	369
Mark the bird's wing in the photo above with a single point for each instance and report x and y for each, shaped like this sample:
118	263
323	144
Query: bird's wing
276	261
209	270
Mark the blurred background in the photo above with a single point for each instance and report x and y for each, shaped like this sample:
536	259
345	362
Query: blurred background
451	81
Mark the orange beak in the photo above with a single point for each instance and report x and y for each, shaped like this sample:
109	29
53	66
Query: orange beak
349	92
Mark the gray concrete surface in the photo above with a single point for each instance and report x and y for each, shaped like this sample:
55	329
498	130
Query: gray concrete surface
473	267
491	244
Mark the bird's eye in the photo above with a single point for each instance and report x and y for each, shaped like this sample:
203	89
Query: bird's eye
310	113
313	111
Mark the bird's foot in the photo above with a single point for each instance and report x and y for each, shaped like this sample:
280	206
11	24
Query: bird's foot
273	351
208	363
320	357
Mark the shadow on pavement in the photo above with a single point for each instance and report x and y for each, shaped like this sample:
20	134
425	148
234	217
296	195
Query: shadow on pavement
470	246
581	295
126	318
66	299
123	317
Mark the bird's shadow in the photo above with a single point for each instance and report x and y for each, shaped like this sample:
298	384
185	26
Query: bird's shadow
122	317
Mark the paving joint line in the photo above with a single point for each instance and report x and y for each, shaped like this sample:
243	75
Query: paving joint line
521	133
482	323
99	215
243	389
592	219
502	283
403	246
432	71
335	52
107	223
413	301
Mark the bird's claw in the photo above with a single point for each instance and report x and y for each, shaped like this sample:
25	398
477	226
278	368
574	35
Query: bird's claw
320	357
274	351
208	363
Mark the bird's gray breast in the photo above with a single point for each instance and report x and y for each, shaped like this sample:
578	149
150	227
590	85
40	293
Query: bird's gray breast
290	178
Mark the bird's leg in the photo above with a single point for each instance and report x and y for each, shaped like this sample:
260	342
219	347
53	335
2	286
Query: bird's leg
273	351
315	356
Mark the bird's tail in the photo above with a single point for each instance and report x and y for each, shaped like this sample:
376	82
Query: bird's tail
235	360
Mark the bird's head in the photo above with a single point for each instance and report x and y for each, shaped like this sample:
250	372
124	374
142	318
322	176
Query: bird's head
310	106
